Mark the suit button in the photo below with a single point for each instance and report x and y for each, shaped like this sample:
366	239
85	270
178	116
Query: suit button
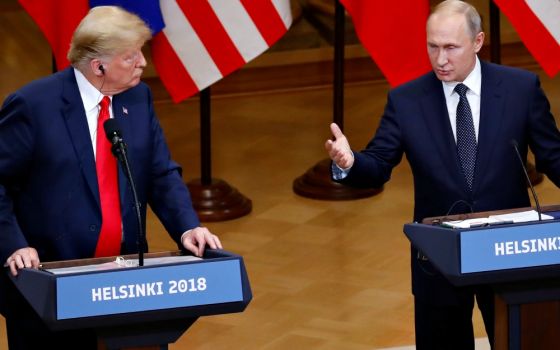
92	227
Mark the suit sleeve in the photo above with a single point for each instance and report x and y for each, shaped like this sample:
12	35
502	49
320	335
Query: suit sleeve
544	137
168	195
16	148
373	165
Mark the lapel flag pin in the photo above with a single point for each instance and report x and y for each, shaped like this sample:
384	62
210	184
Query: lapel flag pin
125	110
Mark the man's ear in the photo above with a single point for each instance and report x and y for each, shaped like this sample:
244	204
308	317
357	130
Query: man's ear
478	41
97	67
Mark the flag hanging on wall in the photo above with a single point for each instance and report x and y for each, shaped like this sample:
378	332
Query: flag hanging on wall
538	24
196	42
394	34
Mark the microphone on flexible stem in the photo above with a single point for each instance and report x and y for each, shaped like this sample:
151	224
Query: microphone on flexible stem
118	148
515	146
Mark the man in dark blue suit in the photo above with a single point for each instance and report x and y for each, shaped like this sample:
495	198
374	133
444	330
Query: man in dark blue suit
456	126
52	206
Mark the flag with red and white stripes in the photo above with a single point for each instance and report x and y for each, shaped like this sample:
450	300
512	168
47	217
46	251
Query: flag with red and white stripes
201	41
538	24
205	40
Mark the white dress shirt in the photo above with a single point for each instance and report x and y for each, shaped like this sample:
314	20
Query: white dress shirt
91	98
473	81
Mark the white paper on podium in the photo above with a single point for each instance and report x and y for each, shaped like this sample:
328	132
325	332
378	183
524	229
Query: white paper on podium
524	216
121	263
509	218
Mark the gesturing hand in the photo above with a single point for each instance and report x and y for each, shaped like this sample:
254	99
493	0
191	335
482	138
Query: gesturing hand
339	148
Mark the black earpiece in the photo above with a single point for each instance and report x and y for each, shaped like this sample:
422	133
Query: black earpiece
102	69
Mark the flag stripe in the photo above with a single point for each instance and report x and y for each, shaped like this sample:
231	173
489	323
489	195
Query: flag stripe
538	40
187	45
240	28
265	16
212	34
209	39
284	11
548	11
171	71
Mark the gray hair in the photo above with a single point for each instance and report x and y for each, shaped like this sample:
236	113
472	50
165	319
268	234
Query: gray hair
104	32
474	22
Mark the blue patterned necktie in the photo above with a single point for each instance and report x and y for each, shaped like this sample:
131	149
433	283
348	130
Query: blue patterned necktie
466	137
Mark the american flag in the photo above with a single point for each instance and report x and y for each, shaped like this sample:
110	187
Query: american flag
203	41
196	42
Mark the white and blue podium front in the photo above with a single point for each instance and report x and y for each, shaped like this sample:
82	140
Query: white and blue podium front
137	306
492	254
520	261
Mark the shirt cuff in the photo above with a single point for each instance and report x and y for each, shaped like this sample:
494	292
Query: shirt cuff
338	173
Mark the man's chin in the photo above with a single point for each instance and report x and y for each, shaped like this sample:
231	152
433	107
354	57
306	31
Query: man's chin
134	82
445	77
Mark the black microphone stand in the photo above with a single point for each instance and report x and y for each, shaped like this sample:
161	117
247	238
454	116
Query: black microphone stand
119	150
514	144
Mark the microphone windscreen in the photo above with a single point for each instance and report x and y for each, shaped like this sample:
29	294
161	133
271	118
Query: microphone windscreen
112	128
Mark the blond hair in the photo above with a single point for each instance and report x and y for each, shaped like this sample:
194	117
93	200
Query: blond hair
474	22
104	32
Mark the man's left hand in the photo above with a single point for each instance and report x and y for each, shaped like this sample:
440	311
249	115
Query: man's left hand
195	240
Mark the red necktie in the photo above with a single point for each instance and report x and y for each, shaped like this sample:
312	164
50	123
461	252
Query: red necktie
109	243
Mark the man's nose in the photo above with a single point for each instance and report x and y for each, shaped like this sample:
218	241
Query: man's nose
441	58
141	62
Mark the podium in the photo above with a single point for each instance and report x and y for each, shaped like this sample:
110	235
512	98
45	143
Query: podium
136	306
520	261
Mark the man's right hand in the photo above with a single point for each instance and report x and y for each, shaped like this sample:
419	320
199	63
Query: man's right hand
339	149
23	258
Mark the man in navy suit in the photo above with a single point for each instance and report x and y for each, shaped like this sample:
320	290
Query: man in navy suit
51	202
422	120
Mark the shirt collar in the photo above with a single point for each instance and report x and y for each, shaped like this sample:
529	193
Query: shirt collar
472	81
89	93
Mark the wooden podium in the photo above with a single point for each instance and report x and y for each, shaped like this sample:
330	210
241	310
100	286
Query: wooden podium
520	261
130	306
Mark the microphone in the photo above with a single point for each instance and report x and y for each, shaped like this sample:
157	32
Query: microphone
113	133
516	147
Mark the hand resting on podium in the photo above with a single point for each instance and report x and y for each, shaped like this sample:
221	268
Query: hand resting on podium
194	240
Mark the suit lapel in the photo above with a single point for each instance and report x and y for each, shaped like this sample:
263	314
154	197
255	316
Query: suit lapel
75	118
434	110
491	118
120	113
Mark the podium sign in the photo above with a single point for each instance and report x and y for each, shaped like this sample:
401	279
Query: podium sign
145	289
501	248
93	293
493	254
520	261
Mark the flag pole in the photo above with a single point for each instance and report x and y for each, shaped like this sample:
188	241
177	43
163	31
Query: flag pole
205	138
213	199
495	37
316	183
